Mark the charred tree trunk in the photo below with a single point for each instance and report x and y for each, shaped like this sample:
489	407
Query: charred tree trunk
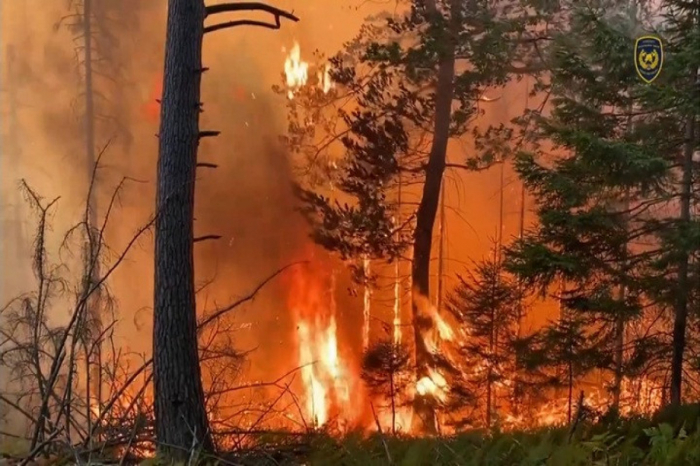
424	407
181	420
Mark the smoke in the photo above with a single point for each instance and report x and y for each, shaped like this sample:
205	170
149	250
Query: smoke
247	200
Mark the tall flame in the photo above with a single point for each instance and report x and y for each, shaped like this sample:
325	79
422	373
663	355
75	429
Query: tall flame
296	72
367	305
327	379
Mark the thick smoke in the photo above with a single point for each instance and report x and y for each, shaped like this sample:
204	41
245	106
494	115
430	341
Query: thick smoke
247	200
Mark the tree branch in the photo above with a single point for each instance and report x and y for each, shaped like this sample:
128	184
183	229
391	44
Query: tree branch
221	311
207	165
247	6
205	237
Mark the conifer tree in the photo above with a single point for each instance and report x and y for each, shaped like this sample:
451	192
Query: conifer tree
486	303
610	225
406	85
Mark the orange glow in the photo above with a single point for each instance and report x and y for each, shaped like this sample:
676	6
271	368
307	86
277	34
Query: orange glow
151	108
328	380
296	72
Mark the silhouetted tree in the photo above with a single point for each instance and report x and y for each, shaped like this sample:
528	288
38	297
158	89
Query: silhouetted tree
386	370
181	420
613	208
486	304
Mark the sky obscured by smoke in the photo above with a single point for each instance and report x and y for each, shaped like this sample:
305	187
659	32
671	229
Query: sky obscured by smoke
247	200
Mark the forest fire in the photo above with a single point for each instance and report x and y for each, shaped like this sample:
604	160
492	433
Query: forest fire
296	72
156	310
331	377
330	384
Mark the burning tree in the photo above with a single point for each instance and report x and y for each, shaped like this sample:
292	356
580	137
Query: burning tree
405	86
181	420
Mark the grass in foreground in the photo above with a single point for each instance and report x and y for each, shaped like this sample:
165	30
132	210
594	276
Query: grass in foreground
671	438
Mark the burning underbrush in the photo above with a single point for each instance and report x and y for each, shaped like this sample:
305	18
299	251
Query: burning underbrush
74	388
352	366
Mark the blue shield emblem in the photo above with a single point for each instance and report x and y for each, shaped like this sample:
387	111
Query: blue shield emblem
648	57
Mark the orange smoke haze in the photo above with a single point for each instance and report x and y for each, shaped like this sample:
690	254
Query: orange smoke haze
296	321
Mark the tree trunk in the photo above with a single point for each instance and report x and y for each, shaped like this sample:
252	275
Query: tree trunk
181	419
92	247
681	304
424	408
619	356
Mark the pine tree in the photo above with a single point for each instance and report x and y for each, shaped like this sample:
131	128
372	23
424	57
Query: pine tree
386	367
414	80
605	227
675	102
486	304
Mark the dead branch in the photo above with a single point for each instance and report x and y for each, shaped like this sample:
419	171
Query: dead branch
208	134
247	6
205	238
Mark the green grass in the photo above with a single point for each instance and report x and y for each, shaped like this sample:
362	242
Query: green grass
671	438
629	442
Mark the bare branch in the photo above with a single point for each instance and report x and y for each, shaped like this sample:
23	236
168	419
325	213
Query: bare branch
208	134
219	312
205	238
247	6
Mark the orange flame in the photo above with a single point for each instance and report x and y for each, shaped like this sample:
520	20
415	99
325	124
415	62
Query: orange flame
327	379
296	72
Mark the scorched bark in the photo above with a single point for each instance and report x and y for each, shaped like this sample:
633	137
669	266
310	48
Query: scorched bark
181	419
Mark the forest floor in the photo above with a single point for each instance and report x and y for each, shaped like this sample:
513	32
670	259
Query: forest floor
671	439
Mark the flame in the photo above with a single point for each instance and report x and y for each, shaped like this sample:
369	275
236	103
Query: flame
434	384
296	72
397	305
324	79
327	378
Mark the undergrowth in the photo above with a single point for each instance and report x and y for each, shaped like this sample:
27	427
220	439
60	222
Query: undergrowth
614	442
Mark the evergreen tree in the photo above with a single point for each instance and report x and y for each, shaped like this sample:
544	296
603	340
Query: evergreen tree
386	370
675	104
608	228
405	86
486	304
